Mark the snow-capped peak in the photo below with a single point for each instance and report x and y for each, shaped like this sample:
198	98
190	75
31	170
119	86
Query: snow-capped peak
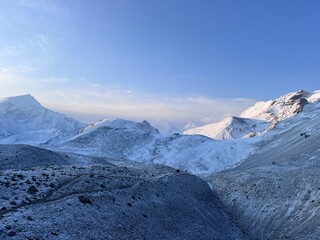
23	101
258	118
230	128
24	120
189	126
274	111
165	127
119	124
314	97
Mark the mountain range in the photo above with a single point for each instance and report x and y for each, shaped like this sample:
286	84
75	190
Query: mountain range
261	117
119	179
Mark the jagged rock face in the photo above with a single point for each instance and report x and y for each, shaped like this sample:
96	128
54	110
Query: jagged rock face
279	109
275	193
24	120
295	100
109	202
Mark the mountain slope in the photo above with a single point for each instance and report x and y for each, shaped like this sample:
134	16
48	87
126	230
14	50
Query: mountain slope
110	138
196	154
20	156
282	108
230	128
134	201
122	139
258	118
24	120
165	127
274	193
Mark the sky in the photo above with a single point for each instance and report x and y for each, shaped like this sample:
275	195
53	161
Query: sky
179	60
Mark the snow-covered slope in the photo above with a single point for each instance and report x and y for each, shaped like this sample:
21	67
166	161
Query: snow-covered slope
230	128
314	97
189	126
282	108
275	192
122	139
24	120
196	154
258	118
165	127
111	138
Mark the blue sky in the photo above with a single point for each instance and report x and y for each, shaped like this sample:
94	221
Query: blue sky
180	60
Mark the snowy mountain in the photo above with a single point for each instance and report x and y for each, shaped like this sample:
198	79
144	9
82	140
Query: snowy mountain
230	128
196	154
123	139
274	193
165	127
24	120
111	138
265	187
258	118
189	126
282	108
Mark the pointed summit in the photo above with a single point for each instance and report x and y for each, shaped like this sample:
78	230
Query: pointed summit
26	101
229	128
24	120
282	108
258	118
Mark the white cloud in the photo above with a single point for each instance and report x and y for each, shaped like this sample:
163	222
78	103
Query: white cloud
47	6
89	102
30	55
32	33
113	103
54	80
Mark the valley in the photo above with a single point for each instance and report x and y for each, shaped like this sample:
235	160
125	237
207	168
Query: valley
254	176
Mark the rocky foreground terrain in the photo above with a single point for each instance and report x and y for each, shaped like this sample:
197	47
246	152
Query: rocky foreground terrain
50	200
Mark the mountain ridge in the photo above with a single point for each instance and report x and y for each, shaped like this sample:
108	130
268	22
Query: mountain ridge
132	177
269	112
24	120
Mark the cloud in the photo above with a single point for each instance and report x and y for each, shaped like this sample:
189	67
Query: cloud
54	80
43	42
47	6
32	34
131	104
91	101
30	55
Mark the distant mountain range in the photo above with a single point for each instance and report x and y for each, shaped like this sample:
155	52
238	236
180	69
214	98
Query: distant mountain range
23	120
259	118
